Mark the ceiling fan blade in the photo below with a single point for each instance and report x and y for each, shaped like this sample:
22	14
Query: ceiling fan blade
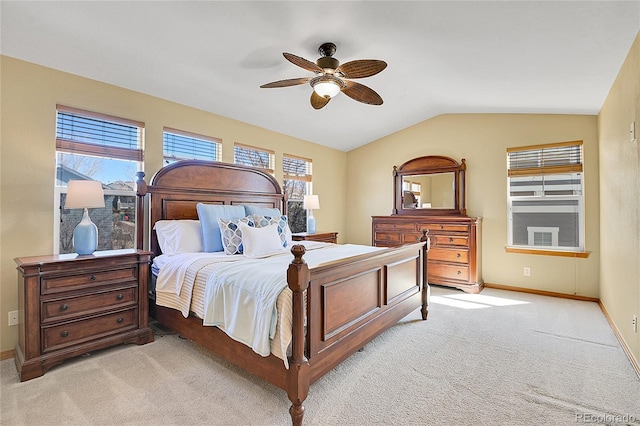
361	68
302	63
286	83
317	101
361	93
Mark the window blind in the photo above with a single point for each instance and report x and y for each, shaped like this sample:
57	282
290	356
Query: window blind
181	145
255	157
297	168
88	133
555	158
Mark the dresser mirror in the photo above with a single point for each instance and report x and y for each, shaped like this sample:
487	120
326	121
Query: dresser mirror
431	185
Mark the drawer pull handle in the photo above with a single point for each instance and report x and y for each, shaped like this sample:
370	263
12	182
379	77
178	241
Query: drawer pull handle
121	296
450	240
93	278
120	320
459	272
441	226
63	307
64	333
458	255
387	237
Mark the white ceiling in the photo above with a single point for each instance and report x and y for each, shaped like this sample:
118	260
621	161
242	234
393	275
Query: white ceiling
443	56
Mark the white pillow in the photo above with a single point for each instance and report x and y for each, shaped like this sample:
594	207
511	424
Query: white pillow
179	236
263	241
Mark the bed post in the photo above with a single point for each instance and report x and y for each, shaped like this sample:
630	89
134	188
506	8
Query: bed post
425	279
298	375
141	191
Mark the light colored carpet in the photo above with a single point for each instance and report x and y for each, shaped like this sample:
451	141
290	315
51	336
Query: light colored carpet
499	357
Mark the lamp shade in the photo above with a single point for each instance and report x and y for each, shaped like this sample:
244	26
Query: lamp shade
84	194
311	202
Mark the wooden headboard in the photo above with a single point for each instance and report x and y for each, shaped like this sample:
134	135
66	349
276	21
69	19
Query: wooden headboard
175	190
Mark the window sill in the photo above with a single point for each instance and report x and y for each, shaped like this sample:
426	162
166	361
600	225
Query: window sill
580	254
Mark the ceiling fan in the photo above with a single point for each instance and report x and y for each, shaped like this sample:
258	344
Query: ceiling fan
332	78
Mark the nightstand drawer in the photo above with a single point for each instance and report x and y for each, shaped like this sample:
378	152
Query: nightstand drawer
89	279
93	328
69	307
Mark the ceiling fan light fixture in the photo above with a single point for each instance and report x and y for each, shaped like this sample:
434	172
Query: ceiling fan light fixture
327	86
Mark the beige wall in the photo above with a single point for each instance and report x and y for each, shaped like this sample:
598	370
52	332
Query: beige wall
27	164
620	199
482	139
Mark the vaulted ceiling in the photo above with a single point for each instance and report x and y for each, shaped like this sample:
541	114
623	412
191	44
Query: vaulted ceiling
558	57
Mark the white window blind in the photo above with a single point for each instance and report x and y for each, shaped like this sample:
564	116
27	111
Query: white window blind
255	157
88	133
181	145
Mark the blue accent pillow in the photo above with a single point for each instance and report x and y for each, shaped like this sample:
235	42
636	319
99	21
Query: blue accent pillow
209	215
262	211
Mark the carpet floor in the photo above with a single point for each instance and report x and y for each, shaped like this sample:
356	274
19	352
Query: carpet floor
495	358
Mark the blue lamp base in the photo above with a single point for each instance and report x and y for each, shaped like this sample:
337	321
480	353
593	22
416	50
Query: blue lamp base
311	224
85	235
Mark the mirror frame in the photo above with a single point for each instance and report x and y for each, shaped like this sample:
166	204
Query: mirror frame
427	165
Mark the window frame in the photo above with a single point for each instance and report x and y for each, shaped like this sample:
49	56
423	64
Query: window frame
85	148
553	159
306	176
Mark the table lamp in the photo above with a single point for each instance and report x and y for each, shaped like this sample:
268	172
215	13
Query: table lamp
85	194
311	203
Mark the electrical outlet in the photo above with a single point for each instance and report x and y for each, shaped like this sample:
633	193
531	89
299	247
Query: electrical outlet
527	271
634	321
13	318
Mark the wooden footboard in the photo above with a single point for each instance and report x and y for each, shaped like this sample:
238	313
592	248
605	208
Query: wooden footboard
349	302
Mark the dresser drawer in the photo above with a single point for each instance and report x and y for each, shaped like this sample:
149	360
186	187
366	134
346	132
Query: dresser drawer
93	328
449	240
442	227
388	237
69	307
88	279
452	272
449	255
395	226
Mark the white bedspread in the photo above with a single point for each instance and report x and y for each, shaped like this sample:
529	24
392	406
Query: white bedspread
241	293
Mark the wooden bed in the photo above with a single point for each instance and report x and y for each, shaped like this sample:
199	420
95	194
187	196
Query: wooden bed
348	302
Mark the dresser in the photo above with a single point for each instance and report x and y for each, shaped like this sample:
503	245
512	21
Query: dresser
454	254
430	194
70	305
325	237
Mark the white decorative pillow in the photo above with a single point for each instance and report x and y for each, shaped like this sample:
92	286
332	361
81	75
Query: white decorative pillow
231	234
259	242
281	222
179	236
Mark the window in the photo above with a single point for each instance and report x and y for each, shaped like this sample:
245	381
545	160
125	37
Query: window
255	157
545	199
99	147
297	173
181	145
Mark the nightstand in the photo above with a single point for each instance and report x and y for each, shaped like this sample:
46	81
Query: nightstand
71	304
325	237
